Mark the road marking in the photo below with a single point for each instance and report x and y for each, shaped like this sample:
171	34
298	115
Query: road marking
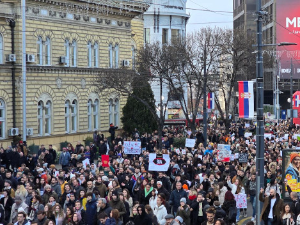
244	221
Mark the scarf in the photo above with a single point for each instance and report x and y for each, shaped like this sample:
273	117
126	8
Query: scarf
147	193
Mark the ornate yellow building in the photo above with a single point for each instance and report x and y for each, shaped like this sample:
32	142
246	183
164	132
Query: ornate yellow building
67	44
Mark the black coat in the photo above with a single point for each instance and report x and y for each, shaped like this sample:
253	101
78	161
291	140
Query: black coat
195	212
102	149
7	207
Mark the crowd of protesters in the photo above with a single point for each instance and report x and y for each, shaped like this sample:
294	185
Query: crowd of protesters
196	189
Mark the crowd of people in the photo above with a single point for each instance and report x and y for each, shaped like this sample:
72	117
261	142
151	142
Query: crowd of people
57	188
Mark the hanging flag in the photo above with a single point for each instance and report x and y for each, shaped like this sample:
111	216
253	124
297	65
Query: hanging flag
105	160
246	99
296	102
210	100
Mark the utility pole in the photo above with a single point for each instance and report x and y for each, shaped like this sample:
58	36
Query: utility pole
23	6
291	93
260	111
205	100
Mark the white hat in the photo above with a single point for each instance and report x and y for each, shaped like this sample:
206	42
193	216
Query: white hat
179	218
40	170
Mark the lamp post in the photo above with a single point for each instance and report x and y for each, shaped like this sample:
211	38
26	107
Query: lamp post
291	93
23	6
259	106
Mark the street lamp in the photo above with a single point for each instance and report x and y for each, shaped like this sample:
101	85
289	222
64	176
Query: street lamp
260	104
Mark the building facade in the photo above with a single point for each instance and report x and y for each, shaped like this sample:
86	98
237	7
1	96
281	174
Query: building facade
163	21
68	44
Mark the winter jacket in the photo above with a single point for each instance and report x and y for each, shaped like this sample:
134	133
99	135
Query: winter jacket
222	192
160	213
164	191
101	188
91	212
152	202
64	158
277	208
47	195
56	188
14	211
118	205
184	214
175	197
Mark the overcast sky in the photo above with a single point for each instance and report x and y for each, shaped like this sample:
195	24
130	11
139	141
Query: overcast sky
206	18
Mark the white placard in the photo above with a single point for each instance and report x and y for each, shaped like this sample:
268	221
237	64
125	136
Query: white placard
132	147
295	136
85	163
159	164
268	135
286	136
190	143
241	201
183	152
247	125
248	134
232	157
236	155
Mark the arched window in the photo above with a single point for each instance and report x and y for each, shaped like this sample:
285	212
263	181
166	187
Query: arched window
2	119
40	51
48	118
73	53
96	55
113	109
67	116
95	114
74	116
44	117
89	54
1	49
67	52
48	52
110	55
116	60
89	108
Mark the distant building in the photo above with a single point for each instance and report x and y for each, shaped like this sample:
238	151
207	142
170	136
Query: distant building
163	21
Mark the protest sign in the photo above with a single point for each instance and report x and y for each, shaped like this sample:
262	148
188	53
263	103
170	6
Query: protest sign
224	153
132	147
247	125
85	163
159	162
105	160
232	157
236	155
243	157
241	201
247	134
190	143
268	135
286	136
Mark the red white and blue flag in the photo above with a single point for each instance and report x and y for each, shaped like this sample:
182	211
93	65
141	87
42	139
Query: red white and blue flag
210	100
246	99
296	102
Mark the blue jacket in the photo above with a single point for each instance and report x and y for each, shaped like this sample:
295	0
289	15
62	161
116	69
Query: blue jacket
175	198
64	159
91	212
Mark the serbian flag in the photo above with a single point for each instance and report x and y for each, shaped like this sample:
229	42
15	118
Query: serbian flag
105	160
210	100
246	99
296	102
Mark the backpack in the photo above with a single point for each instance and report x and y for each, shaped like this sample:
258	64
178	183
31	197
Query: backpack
232	212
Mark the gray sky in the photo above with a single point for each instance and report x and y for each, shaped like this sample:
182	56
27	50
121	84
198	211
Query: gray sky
224	19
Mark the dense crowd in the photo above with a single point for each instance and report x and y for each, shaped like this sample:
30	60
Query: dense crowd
196	189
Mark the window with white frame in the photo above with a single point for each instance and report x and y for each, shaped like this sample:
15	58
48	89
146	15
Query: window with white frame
67	52
113	54
44	51
67	116
1	49
71	107
44	117
47	48
93	114
89	54
96	55
96	114
113	109
40	51
116	56
2	118
93	53
110	55
73	53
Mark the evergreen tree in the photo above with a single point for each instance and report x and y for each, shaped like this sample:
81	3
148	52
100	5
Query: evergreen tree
135	113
